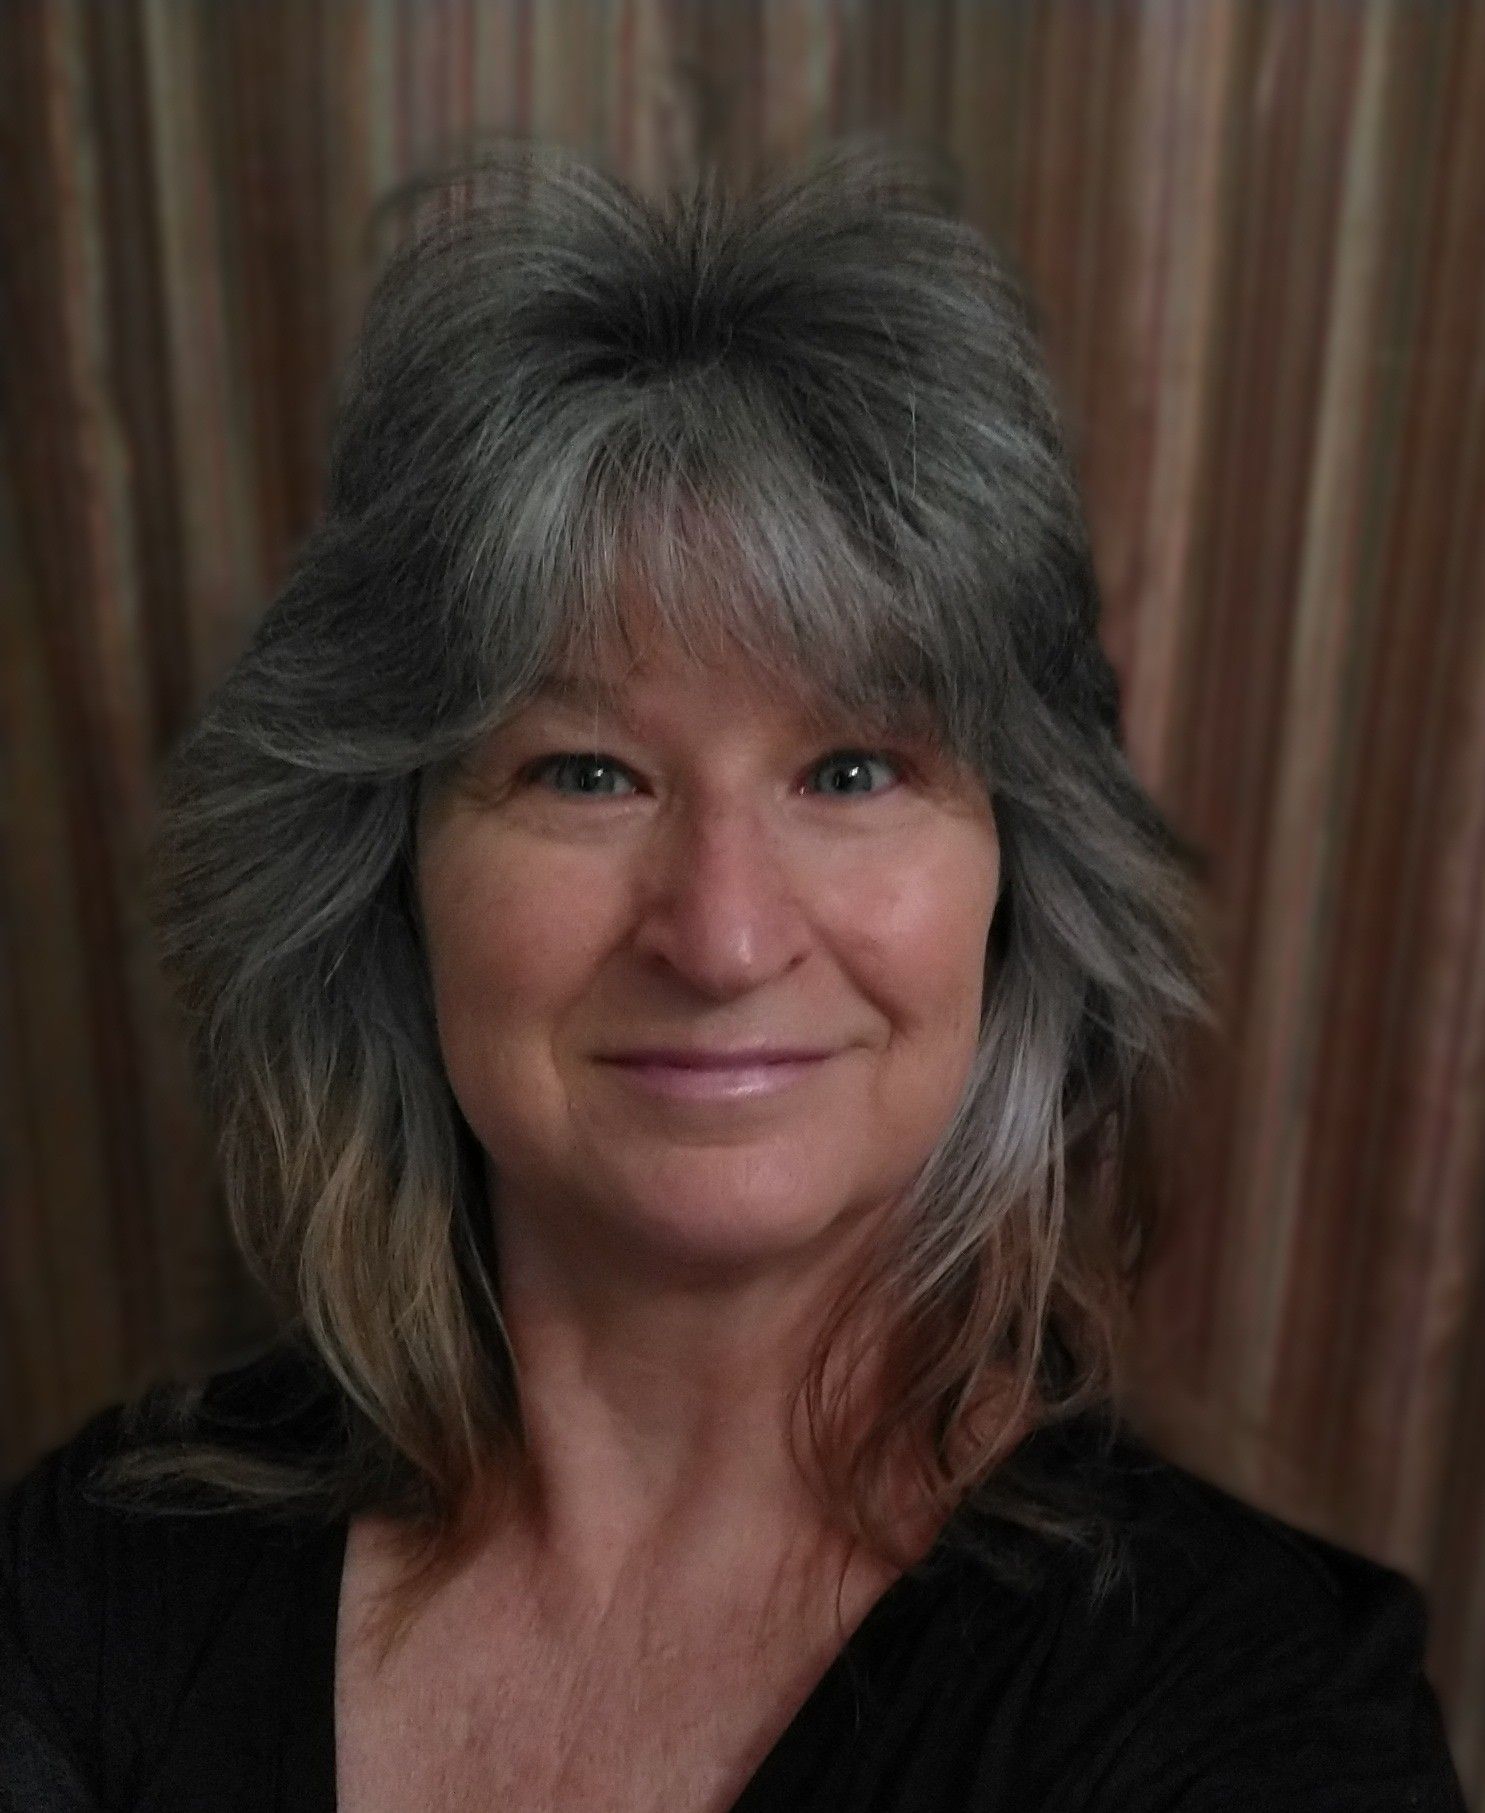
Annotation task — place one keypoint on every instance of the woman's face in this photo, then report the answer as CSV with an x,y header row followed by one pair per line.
x,y
704,869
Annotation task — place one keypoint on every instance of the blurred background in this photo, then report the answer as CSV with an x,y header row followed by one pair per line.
x,y
1256,232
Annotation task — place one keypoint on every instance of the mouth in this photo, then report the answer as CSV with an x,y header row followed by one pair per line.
x,y
717,1079
702,1057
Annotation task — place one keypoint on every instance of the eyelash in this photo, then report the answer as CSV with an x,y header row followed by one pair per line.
x,y
534,770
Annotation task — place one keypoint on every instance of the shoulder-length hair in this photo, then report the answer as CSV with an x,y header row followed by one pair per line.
x,y
809,419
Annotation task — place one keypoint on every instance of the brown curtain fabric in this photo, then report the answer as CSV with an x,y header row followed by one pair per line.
x,y
1257,231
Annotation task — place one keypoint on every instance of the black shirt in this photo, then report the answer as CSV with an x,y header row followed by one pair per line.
x,y
160,1664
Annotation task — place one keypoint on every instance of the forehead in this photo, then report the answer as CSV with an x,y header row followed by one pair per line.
x,y
620,689
625,687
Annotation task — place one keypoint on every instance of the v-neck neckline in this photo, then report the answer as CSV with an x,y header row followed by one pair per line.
x,y
859,1655
311,1750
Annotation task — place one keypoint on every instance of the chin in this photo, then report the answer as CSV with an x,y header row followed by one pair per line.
x,y
699,1227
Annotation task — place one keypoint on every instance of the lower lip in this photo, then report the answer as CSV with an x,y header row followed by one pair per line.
x,y
744,1082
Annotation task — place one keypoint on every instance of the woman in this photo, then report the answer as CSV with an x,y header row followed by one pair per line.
x,y
683,971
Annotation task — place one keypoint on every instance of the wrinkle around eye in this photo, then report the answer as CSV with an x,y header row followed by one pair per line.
x,y
533,772
858,756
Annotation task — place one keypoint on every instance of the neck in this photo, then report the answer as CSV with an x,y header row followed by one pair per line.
x,y
657,1428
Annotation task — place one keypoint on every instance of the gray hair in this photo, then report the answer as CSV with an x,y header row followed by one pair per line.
x,y
810,420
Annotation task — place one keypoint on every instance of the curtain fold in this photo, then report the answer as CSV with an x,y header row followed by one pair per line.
x,y
1256,232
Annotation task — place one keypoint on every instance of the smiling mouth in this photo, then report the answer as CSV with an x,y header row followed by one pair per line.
x,y
715,1081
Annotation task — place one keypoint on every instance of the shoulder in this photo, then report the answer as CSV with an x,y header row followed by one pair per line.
x,y
1237,1659
107,1606
1175,1537
273,1405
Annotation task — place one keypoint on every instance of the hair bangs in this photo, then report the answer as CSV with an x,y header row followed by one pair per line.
x,y
700,519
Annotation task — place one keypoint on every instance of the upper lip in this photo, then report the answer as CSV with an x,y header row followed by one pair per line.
x,y
694,1058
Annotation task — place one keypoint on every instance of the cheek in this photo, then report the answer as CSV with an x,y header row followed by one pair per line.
x,y
918,941
509,943
511,946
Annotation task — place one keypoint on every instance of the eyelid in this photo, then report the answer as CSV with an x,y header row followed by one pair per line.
x,y
894,758
530,771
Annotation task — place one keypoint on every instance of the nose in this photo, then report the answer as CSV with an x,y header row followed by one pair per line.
x,y
720,902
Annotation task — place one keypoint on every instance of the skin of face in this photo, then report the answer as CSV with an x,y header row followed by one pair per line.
x,y
714,868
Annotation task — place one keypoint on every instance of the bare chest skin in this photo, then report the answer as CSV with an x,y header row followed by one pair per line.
x,y
489,1703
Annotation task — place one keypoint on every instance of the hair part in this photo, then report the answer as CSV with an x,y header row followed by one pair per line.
x,y
810,420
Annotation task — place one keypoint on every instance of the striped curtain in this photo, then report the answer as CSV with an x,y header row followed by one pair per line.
x,y
1257,234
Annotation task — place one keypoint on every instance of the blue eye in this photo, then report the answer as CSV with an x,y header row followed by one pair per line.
x,y
583,764
853,761
848,762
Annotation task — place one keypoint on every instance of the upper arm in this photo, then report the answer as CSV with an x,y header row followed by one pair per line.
x,y
52,1613
39,1768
